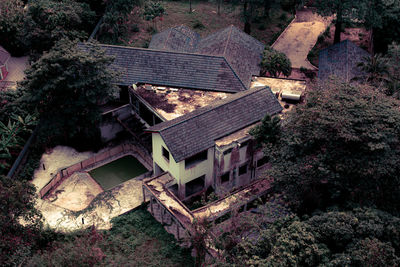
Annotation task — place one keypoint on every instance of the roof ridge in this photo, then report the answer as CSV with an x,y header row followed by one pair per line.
x,y
234,72
224,102
156,50
228,39
169,34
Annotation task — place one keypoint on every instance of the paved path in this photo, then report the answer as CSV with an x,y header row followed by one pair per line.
x,y
300,37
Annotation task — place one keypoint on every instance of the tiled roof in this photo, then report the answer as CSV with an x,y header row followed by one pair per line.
x,y
341,60
196,131
242,51
173,69
4,56
179,39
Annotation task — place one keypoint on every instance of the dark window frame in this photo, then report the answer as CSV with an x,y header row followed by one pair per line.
x,y
195,159
163,151
224,176
262,161
240,172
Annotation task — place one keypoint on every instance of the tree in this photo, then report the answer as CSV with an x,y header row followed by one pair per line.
x,y
114,24
376,70
275,63
17,241
359,237
393,66
48,21
66,86
11,23
341,146
153,10
344,10
382,18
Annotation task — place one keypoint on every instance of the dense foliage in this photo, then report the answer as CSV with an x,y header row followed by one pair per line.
x,y
11,22
49,21
114,25
66,86
135,239
275,63
17,205
360,237
341,146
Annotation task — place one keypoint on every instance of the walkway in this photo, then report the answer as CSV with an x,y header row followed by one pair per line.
x,y
300,37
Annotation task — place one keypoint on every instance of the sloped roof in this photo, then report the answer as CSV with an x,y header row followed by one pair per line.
x,y
4,56
197,131
179,39
341,60
173,69
241,50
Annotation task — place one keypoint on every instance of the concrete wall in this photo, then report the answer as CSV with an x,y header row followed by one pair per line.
x,y
110,127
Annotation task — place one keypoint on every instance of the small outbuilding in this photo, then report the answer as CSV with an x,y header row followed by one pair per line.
x,y
4,58
341,60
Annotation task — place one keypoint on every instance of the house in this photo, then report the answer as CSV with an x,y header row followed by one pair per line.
x,y
4,58
341,60
240,50
211,145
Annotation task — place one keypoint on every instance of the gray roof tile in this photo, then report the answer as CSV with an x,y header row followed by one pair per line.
x,y
341,60
196,131
173,69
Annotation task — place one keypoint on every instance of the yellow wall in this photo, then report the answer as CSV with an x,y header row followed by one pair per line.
x,y
177,169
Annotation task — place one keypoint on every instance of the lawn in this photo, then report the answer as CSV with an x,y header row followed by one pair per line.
x,y
204,20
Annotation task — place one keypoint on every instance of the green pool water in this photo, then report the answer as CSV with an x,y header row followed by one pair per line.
x,y
117,172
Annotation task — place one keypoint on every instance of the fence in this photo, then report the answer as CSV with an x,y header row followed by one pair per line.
x,y
90,163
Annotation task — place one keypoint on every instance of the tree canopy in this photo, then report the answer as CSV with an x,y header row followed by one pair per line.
x,y
359,237
11,22
48,21
341,146
66,86
275,63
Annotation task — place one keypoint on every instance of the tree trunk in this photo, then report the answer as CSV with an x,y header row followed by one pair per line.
x,y
338,26
267,7
247,25
190,6
219,7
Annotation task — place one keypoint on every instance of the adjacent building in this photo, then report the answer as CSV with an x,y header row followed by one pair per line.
x,y
341,60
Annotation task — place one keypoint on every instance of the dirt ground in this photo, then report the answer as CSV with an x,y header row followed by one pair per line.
x,y
76,192
102,208
204,20
300,37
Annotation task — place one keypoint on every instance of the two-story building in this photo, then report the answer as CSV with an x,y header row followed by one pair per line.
x,y
211,145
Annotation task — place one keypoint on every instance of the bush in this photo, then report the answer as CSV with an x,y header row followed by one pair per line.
x,y
198,25
135,28
262,27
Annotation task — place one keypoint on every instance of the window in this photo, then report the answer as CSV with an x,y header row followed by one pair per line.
x,y
264,160
225,178
229,150
243,169
245,143
193,160
165,153
195,185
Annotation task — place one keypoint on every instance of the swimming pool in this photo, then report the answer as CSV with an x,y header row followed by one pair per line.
x,y
117,172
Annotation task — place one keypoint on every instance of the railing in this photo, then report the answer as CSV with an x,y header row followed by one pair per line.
x,y
90,163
